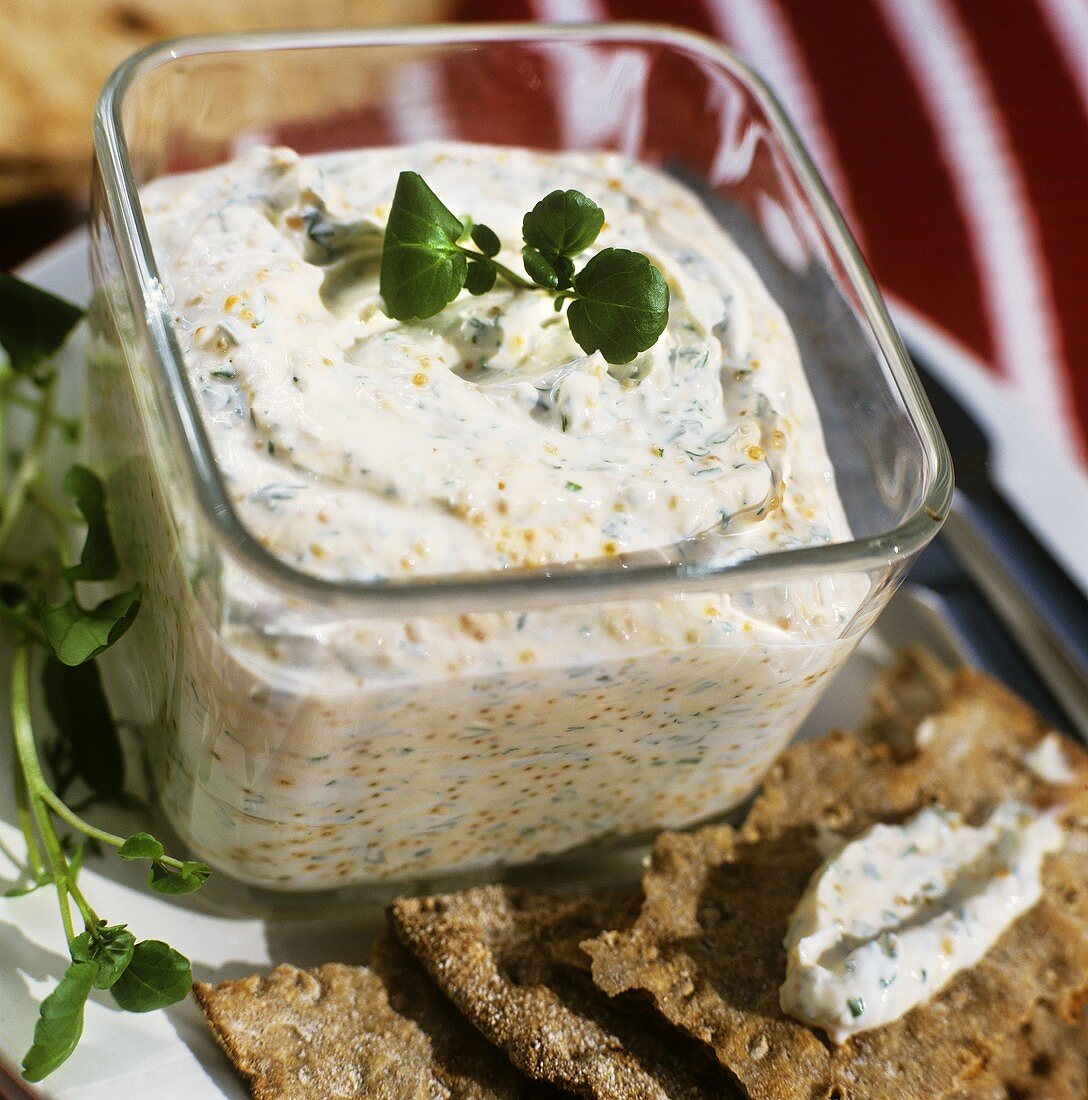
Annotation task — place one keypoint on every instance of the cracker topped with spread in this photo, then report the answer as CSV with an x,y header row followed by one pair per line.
x,y
901,914
711,943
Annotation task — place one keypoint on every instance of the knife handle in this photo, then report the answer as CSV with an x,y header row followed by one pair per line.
x,y
1036,598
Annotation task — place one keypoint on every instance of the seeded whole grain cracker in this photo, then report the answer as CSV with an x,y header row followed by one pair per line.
x,y
502,956
1046,1058
340,1032
465,1063
911,689
707,945
972,754
45,121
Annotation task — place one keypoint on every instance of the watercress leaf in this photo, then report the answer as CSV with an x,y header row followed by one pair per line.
x,y
156,977
485,239
564,269
85,728
540,269
33,323
480,278
194,869
164,880
109,947
141,846
563,223
622,306
422,268
98,561
60,1021
76,633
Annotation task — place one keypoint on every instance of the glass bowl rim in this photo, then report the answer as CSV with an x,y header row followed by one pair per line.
x,y
502,589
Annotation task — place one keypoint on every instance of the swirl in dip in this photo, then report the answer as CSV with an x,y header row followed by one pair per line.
x,y
307,754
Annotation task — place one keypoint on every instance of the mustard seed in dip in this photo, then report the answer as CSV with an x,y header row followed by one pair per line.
x,y
356,447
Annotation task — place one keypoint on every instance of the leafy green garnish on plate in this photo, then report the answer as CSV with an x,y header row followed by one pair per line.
x,y
98,559
561,226
110,949
619,302
60,1021
86,744
33,324
157,976
57,626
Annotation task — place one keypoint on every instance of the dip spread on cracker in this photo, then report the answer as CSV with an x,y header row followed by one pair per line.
x,y
898,911
1047,760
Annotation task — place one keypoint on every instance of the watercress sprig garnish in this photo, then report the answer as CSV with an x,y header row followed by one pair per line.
x,y
619,302
141,975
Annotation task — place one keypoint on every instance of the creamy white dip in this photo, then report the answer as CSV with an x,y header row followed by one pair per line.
x,y
308,752
894,914
1047,760
359,447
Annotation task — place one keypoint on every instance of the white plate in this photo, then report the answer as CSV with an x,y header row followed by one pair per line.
x,y
170,1055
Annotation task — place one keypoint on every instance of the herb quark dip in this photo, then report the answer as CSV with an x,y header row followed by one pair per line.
x,y
357,447
893,915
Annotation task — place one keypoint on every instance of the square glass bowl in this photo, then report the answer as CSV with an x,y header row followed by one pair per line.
x,y
281,757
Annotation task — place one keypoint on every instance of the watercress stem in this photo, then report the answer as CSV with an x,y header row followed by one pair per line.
x,y
61,518
33,404
70,818
6,374
24,624
29,467
90,917
502,269
35,863
27,752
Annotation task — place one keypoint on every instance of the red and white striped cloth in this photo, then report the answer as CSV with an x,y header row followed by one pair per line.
x,y
954,134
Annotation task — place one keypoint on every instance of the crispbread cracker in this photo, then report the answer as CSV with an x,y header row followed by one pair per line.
x,y
499,955
708,944
468,1066
341,1032
903,696
1047,1056
55,55
973,755
1045,1059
